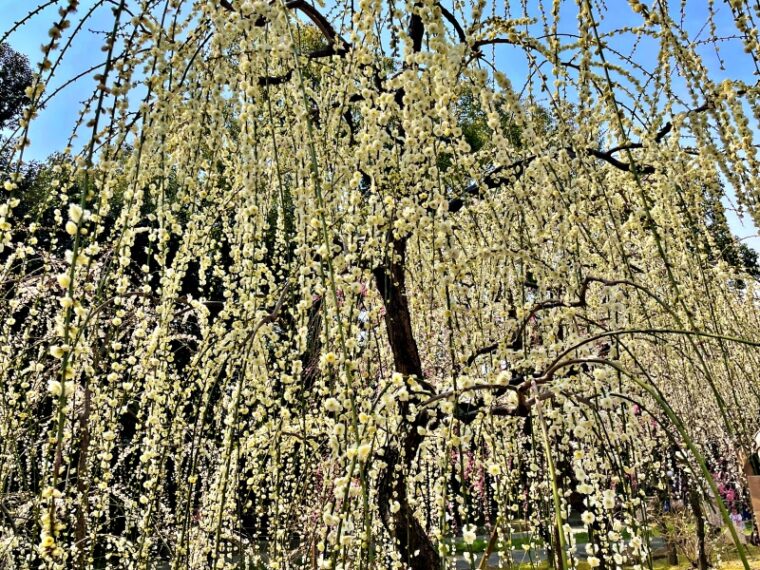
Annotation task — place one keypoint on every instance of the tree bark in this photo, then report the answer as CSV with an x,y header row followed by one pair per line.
x,y
310,356
417,550
391,283
672,553
703,563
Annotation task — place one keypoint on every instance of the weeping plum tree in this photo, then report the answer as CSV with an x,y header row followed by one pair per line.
x,y
327,286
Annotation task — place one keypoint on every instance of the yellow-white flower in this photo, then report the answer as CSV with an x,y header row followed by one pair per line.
x,y
329,359
57,351
608,499
330,519
55,388
75,213
468,534
362,452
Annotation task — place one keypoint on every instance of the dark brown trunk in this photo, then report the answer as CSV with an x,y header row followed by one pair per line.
x,y
391,283
556,545
703,563
310,357
417,550
672,554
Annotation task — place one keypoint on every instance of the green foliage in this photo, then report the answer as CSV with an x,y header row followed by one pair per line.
x,y
15,77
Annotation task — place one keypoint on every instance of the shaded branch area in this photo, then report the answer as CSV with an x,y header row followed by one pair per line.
x,y
515,341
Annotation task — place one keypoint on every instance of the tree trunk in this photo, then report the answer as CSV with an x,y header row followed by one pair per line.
x,y
310,356
417,550
703,562
558,559
672,554
391,283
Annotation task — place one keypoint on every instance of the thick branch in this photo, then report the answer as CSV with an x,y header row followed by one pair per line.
x,y
454,22
492,180
515,343
492,41
619,164
467,412
276,80
316,17
416,30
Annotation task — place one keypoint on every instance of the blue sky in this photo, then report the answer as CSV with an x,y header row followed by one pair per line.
x,y
51,130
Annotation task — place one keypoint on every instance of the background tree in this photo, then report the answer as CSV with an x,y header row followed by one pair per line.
x,y
15,78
